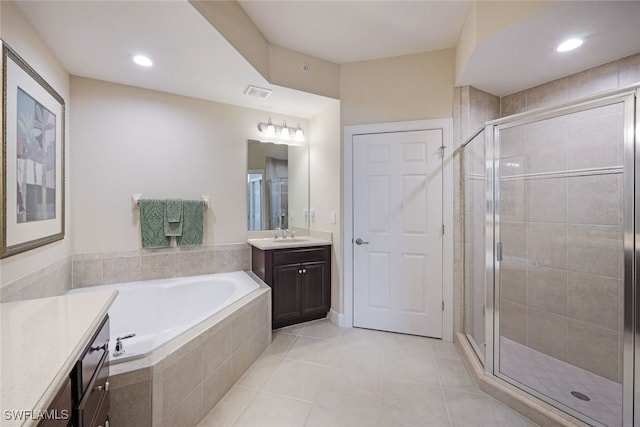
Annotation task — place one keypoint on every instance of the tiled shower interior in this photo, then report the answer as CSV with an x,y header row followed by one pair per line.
x,y
559,285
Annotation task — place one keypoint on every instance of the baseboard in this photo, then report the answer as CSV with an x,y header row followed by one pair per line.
x,y
336,318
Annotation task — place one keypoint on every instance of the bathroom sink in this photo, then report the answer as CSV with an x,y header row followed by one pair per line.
x,y
290,239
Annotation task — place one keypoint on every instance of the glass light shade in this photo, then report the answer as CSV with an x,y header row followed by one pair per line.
x,y
284,133
299,135
271,130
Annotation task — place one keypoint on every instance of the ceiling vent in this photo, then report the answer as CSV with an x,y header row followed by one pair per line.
x,y
258,92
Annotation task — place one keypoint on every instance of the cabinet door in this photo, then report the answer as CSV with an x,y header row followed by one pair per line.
x,y
313,288
286,292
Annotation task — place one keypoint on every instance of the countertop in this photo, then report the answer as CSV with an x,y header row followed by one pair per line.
x,y
280,243
40,341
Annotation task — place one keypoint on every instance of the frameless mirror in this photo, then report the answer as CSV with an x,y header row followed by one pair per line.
x,y
277,186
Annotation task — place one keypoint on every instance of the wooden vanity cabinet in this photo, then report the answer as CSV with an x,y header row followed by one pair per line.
x,y
300,281
83,400
59,412
90,379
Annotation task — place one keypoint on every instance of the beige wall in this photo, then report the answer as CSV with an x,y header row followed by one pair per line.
x,y
160,145
18,33
412,87
326,189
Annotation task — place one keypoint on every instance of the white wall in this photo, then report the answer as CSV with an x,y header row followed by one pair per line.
x,y
21,37
325,157
133,140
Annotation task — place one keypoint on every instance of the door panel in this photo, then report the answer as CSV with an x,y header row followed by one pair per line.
x,y
398,216
286,297
312,290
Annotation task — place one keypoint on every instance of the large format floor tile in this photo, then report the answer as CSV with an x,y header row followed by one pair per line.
x,y
317,374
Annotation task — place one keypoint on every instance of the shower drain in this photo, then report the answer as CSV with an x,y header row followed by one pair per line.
x,y
580,396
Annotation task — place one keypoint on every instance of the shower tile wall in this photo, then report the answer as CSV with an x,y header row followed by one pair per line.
x,y
120,267
561,277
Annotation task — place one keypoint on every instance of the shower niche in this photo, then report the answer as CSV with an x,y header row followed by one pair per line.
x,y
549,233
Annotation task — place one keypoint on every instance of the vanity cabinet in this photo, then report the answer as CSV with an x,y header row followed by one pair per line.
x,y
90,379
300,281
59,412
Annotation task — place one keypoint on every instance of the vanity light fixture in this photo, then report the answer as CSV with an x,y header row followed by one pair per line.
x,y
142,60
570,44
299,134
281,134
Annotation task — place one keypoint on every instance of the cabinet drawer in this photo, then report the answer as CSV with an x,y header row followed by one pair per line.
x,y
87,366
96,394
295,256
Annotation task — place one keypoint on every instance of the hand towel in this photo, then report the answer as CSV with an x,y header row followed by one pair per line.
x,y
192,223
173,217
152,224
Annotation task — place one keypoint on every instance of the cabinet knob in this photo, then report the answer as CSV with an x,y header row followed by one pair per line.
x,y
102,347
104,387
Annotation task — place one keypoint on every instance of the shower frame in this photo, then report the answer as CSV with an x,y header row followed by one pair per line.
x,y
631,254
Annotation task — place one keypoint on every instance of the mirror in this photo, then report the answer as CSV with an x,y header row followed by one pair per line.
x,y
277,186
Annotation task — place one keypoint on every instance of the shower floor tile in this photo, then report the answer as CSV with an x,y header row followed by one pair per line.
x,y
557,379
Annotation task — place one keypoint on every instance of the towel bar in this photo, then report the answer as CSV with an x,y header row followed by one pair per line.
x,y
135,200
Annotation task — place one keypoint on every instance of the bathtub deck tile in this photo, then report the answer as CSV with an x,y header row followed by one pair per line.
x,y
216,385
216,349
180,379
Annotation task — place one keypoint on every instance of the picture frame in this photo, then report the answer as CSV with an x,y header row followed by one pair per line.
x,y
32,199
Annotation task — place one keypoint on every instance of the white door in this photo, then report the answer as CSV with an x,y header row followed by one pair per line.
x,y
397,217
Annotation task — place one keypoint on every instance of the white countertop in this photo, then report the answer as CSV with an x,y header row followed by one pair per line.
x,y
40,341
280,243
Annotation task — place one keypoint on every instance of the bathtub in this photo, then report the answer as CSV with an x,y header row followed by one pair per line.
x,y
195,336
156,311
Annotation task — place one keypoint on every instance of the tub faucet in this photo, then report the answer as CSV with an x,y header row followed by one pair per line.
x,y
119,351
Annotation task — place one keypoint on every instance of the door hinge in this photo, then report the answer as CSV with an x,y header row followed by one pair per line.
x,y
442,305
443,229
440,151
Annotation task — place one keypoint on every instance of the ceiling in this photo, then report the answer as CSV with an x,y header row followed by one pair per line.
x,y
97,39
350,31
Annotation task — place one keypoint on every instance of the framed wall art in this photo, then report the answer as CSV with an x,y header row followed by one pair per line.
x,y
32,158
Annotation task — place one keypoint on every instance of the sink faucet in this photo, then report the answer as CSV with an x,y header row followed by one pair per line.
x,y
284,233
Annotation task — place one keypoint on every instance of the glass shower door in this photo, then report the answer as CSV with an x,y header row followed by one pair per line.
x,y
559,245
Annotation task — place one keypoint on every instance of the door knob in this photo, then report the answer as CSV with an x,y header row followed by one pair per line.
x,y
359,241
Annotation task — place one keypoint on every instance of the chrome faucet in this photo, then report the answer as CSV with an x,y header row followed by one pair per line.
x,y
284,233
119,350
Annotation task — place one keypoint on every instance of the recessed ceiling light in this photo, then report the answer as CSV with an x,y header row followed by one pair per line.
x,y
568,45
142,60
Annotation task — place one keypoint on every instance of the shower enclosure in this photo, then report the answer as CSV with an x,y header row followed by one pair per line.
x,y
550,254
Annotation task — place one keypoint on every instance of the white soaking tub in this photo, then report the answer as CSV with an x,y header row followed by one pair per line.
x,y
158,310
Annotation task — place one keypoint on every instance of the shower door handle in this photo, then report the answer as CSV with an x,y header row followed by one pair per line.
x,y
499,251
359,241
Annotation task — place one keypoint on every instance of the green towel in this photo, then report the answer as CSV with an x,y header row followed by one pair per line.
x,y
152,224
192,223
173,217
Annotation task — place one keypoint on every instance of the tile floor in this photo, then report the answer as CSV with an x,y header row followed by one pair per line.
x,y
319,375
